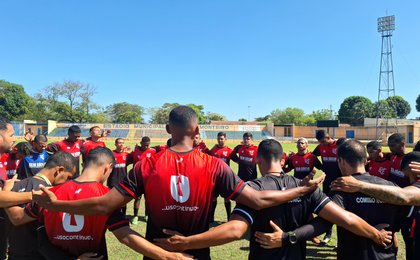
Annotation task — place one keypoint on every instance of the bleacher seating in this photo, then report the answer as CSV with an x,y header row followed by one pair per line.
x,y
162,134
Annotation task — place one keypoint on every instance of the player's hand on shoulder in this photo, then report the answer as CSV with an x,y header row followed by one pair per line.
x,y
270,240
8,185
175,243
346,184
44,197
89,255
415,167
311,183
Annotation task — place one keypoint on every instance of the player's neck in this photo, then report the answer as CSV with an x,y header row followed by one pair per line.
x,y
303,152
89,175
356,170
47,175
273,168
94,138
183,144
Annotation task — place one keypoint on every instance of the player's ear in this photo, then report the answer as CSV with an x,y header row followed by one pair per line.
x,y
168,129
58,170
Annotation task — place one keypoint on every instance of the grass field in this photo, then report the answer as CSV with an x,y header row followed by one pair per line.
x,y
235,250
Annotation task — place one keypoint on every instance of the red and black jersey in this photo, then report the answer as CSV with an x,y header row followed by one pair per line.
x,y
122,160
329,157
396,175
245,157
303,164
3,174
222,153
89,145
11,165
77,234
160,148
138,154
202,147
70,147
380,168
179,188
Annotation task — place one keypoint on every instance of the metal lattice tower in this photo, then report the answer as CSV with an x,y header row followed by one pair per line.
x,y
386,118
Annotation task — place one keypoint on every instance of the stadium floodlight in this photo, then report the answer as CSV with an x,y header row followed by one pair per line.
x,y
386,25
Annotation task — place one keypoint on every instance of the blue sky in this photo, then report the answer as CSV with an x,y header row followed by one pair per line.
x,y
225,55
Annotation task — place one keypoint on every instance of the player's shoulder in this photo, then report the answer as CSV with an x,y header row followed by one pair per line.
x,y
366,177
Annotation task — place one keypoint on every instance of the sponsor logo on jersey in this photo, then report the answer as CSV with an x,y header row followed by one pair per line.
x,y
78,191
397,173
120,165
367,200
36,165
245,158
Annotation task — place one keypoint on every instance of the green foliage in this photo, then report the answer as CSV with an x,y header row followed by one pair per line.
x,y
263,118
291,115
322,114
14,102
354,109
214,117
383,110
418,103
400,105
199,109
160,115
125,113
242,120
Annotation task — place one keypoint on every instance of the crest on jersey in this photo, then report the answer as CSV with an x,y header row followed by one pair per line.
x,y
251,153
180,188
382,170
224,153
124,157
77,146
148,155
307,161
334,150
68,147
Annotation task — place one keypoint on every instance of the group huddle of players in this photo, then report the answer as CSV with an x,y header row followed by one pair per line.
x,y
181,181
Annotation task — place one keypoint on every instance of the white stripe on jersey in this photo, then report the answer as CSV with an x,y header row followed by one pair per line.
x,y
319,205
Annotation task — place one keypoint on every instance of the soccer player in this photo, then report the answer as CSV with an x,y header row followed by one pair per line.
x,y
22,239
93,141
379,164
352,158
66,236
409,195
179,184
12,159
221,151
200,145
288,216
303,162
33,163
244,155
141,152
396,144
160,148
327,149
72,144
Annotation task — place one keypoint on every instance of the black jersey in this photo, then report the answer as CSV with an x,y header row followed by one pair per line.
x,y
23,239
374,212
288,216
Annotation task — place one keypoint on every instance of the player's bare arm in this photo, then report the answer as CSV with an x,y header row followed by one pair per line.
x,y
17,216
133,240
102,205
390,194
269,198
230,231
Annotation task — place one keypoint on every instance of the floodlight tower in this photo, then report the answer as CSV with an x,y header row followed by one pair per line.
x,y
386,26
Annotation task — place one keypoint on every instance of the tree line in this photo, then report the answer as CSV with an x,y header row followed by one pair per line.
x,y
71,101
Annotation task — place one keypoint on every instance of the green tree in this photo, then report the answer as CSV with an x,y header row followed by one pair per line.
x,y
14,102
160,115
400,105
291,115
354,109
199,110
418,103
322,114
242,120
382,109
214,117
125,113
263,118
